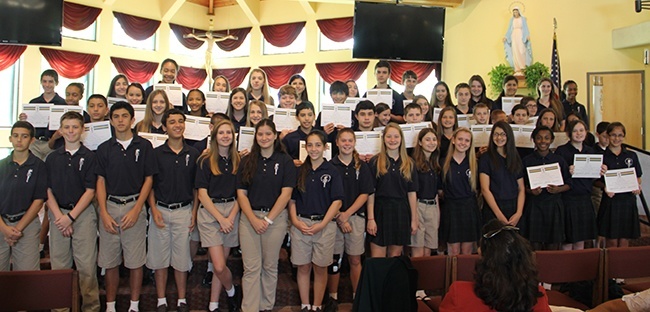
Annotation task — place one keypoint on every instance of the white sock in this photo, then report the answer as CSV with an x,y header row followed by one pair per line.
x,y
354,295
213,306
210,267
420,294
334,296
103,272
134,306
308,306
181,301
110,306
231,292
162,301
546,286
40,247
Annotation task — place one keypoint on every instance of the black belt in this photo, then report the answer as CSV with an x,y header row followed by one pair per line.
x,y
262,209
14,218
314,217
66,207
43,138
123,201
173,205
428,201
360,214
222,200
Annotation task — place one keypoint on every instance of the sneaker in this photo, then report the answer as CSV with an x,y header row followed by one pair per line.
x,y
183,308
161,308
332,305
234,302
207,280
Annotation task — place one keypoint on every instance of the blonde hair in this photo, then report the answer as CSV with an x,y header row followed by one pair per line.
x,y
262,106
213,153
382,158
265,86
473,166
147,121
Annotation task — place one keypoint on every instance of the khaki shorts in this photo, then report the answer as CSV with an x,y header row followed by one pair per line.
x,y
130,243
209,227
353,242
170,245
428,223
24,256
317,249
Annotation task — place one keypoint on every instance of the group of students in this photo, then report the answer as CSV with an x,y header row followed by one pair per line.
x,y
427,198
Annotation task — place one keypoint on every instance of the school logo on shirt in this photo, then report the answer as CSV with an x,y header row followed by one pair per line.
x,y
137,154
325,178
357,172
629,162
276,167
29,175
187,160
468,173
81,163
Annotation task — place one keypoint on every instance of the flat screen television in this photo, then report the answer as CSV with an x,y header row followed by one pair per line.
x,y
35,22
398,32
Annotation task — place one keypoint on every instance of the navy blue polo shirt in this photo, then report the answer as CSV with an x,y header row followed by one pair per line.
x,y
125,169
238,123
444,148
159,130
174,182
199,145
398,102
428,183
292,142
20,185
625,159
219,186
579,186
271,175
322,187
56,100
393,184
535,159
70,175
459,112
577,108
355,182
456,185
503,184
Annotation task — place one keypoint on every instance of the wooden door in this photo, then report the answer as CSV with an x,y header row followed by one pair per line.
x,y
618,96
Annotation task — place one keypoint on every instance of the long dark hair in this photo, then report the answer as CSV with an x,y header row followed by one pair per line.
x,y
303,96
111,89
506,274
421,162
305,168
434,99
513,161
250,161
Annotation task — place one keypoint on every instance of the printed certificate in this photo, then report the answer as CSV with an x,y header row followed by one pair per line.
x,y
216,102
245,138
139,113
465,120
96,133
545,175
411,132
353,101
621,180
481,135
174,92
368,142
338,114
587,165
196,128
377,96
56,111
522,135
38,114
508,103
285,118
155,138
113,100
436,114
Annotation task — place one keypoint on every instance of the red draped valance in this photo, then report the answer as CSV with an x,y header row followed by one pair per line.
x,y
230,45
70,64
278,76
331,72
282,35
135,71
235,76
337,29
180,31
423,70
191,78
9,54
138,28
78,16
193,44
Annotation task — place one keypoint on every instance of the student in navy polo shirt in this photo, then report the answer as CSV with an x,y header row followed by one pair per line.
x,y
173,205
125,169
382,74
23,183
264,186
305,115
169,70
73,218
312,232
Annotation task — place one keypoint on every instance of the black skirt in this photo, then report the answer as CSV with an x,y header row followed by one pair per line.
x,y
507,207
544,219
462,220
579,218
393,218
618,217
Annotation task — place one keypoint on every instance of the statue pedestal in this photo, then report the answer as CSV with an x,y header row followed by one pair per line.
x,y
521,79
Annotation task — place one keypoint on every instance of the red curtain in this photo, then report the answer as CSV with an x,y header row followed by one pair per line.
x,y
191,78
337,29
9,54
138,28
79,17
278,76
331,72
181,31
423,70
70,64
235,76
282,35
230,45
136,71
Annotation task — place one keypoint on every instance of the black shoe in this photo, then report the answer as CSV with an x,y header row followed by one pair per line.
x,y
42,254
234,302
201,251
331,306
207,280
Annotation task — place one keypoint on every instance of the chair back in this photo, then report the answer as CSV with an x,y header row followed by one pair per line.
x,y
39,290
627,262
433,273
463,267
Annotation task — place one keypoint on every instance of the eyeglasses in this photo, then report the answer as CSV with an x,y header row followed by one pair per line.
x,y
499,134
493,233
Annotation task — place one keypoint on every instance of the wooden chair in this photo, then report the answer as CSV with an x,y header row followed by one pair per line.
x,y
556,266
462,267
627,262
433,275
39,290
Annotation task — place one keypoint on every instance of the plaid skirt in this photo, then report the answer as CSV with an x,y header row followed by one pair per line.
x,y
463,220
544,219
507,206
618,217
579,218
393,218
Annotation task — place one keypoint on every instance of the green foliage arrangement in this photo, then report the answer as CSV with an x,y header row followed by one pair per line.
x,y
497,74
534,73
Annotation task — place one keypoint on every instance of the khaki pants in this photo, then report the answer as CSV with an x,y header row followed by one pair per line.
x,y
260,255
24,255
40,149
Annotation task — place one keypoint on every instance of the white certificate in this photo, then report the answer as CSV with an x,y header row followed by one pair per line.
x,y
522,135
407,102
560,139
377,96
481,135
368,142
338,114
508,103
245,138
621,180
353,101
113,100
38,114
285,118
174,92
196,128
411,132
217,102
465,120
436,114
270,109
545,175
96,133
587,165
56,111
138,110
156,139
327,154
532,120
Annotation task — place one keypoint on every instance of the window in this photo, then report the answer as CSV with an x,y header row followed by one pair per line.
x,y
177,47
9,94
90,33
104,89
88,80
122,39
297,46
329,45
324,94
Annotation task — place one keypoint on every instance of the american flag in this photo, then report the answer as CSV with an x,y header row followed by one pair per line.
x,y
555,64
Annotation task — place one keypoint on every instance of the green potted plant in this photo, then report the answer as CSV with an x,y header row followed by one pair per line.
x,y
497,74
534,73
